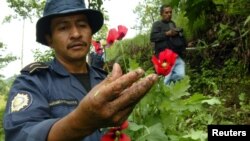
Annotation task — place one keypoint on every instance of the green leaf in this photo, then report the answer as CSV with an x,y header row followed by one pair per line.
x,y
133,64
179,89
135,127
156,133
195,98
196,135
242,96
212,101
247,20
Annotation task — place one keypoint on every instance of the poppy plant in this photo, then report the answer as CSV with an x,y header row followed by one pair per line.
x,y
163,65
115,133
97,46
122,31
103,42
112,36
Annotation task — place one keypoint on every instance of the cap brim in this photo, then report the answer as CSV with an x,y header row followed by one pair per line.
x,y
95,19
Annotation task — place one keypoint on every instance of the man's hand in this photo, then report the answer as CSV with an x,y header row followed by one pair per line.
x,y
111,101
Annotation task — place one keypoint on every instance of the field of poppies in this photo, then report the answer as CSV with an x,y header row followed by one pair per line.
x,y
180,111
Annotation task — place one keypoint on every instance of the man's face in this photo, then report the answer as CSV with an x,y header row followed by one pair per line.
x,y
70,37
166,14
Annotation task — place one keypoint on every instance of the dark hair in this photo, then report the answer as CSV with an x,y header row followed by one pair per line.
x,y
164,6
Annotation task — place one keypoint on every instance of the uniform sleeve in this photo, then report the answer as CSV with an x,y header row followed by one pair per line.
x,y
157,34
27,116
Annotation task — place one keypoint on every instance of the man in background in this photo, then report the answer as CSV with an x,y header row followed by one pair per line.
x,y
163,35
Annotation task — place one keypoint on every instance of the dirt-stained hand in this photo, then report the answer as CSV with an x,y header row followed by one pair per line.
x,y
111,101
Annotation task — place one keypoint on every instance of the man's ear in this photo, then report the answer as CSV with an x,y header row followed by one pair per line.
x,y
48,39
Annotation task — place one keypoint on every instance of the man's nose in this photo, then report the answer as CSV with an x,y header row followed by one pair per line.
x,y
75,32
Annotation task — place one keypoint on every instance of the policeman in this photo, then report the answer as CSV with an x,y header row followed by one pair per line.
x,y
66,99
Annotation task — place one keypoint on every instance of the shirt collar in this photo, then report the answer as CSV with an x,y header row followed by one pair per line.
x,y
56,66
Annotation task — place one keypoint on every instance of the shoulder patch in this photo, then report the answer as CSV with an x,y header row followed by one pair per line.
x,y
34,67
21,101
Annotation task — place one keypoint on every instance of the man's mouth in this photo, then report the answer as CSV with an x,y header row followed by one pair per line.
x,y
77,45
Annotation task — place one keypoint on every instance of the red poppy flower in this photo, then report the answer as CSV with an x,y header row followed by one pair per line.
x,y
166,61
112,36
97,45
122,31
115,133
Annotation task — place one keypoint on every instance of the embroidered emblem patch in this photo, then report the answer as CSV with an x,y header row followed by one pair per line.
x,y
20,102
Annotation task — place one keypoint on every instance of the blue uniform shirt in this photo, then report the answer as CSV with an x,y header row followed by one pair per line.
x,y
40,96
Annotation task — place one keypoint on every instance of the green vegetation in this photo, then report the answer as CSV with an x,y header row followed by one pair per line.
x,y
216,89
4,85
2,108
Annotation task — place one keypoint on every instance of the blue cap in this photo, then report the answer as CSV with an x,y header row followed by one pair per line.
x,y
54,8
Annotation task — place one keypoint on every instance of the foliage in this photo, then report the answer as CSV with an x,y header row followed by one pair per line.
x,y
101,33
147,12
26,9
2,108
219,75
45,56
239,7
224,50
34,8
4,85
4,60
139,52
96,4
176,113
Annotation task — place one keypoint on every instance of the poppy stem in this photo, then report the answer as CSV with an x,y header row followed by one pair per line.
x,y
105,58
116,139
123,58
